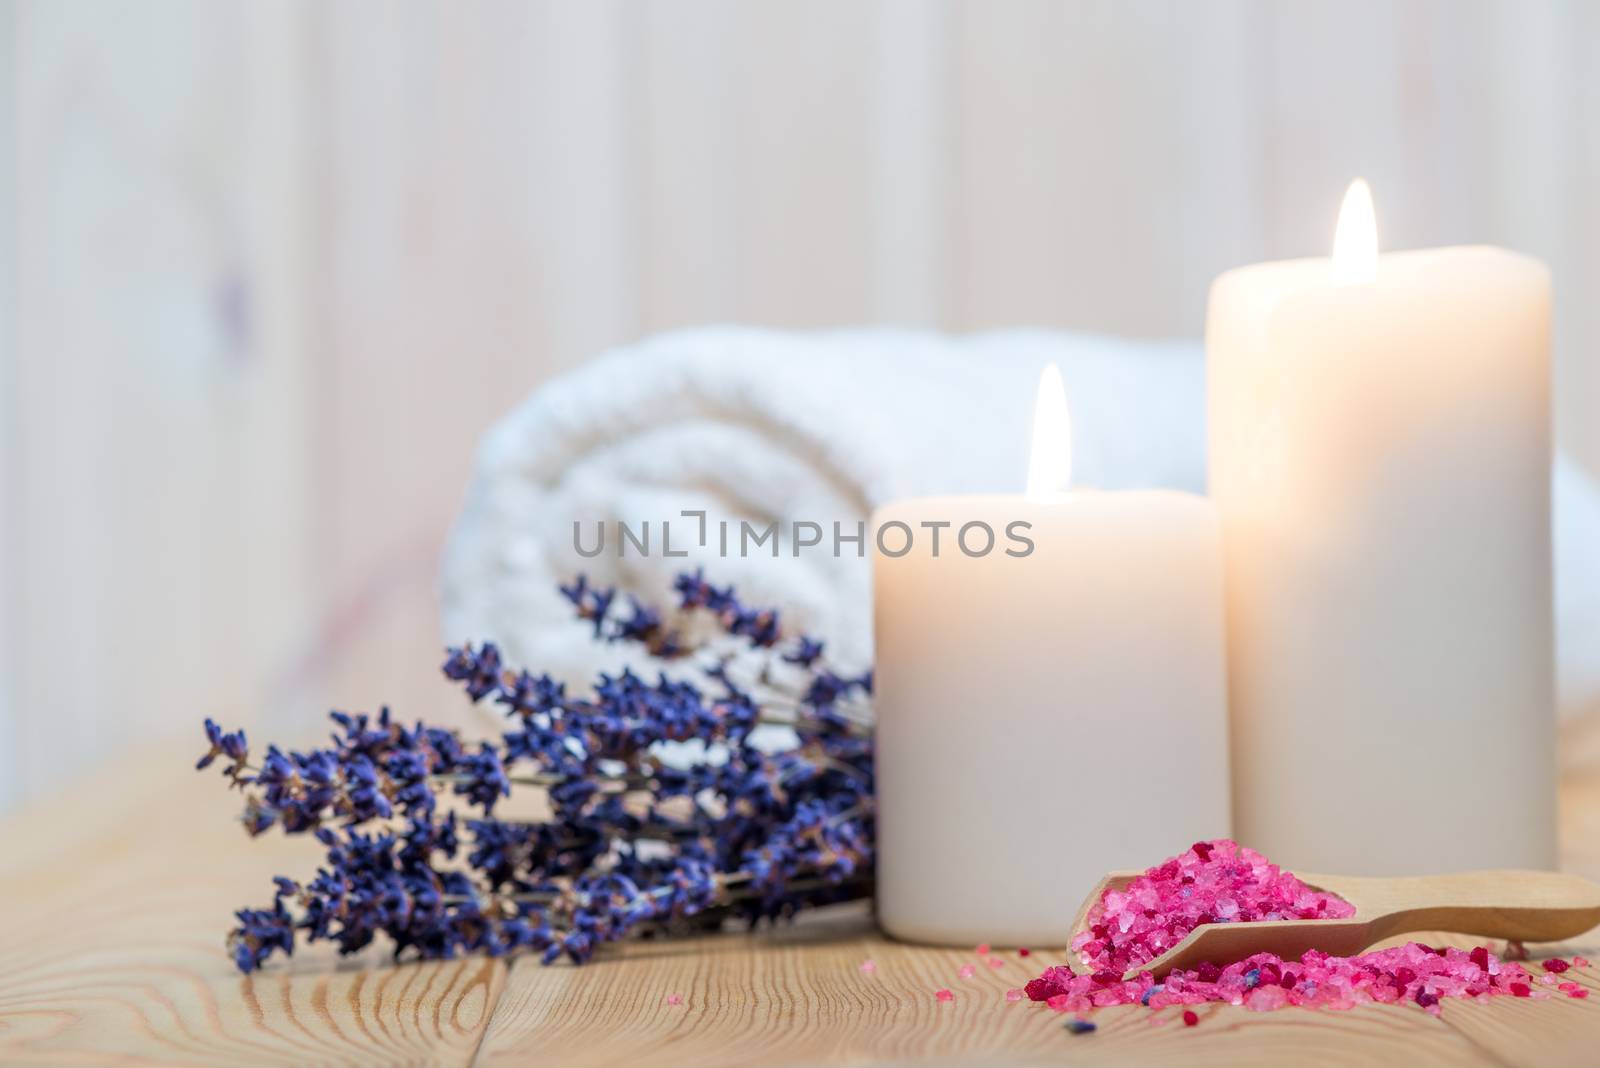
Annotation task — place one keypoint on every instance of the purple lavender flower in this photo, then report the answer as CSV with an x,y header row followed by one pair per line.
x,y
807,652
479,672
233,746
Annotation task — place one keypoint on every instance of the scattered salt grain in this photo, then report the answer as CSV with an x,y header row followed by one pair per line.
x,y
1189,1018
674,999
944,995
868,966
1014,994
967,971
983,949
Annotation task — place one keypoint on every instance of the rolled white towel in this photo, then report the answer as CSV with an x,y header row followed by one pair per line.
x,y
1577,586
765,425
762,425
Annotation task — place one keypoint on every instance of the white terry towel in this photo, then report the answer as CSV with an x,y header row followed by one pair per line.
x,y
762,425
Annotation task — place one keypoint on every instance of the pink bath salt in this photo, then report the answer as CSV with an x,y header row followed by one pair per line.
x,y
1581,992
1056,979
967,971
995,962
1266,998
1580,962
1210,882
1014,994
1555,964
944,995
674,999
1233,883
1410,974
983,949
869,966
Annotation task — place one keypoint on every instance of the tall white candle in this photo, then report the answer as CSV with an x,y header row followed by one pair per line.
x,y
1043,718
1380,456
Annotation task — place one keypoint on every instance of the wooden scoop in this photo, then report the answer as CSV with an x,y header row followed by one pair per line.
x,y
1524,906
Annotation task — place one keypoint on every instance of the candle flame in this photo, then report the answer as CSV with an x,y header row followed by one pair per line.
x,y
1050,463
1355,240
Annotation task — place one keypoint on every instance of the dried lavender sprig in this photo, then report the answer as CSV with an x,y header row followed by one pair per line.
x,y
382,771
760,628
795,828
384,884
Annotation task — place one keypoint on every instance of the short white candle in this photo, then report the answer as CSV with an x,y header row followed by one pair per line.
x,y
1380,456
1042,719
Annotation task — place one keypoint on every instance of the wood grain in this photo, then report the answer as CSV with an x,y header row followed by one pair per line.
x,y
798,997
115,897
111,944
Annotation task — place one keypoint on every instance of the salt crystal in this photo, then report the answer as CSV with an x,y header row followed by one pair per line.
x,y
1267,998
1579,962
983,949
1013,994
869,966
996,962
1189,1018
944,995
674,999
967,971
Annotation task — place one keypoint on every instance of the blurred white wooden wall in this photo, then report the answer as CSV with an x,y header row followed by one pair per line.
x,y
267,270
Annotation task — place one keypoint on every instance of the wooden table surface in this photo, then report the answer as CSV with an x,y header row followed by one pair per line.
x,y
114,900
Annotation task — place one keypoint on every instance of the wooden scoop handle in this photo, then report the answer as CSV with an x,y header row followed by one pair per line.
x,y
1528,906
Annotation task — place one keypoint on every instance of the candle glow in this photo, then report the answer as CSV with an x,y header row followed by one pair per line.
x,y
1355,239
1050,461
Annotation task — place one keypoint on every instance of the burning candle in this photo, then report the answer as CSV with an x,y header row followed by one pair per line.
x,y
1380,457
1048,710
